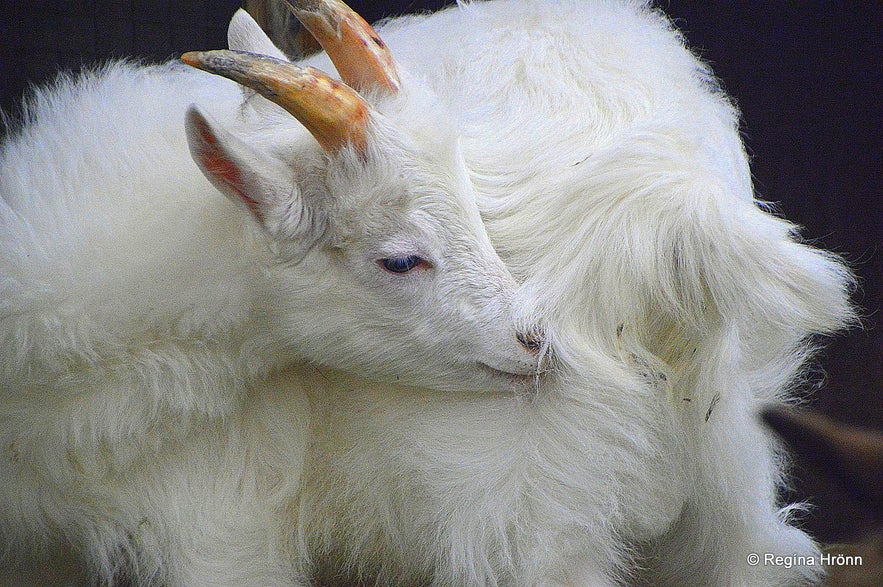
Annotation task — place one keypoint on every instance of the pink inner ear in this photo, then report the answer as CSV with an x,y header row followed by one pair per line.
x,y
217,165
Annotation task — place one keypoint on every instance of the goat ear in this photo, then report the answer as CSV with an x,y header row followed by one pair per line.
x,y
245,34
754,268
258,181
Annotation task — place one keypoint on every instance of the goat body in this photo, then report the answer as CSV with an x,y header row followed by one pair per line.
x,y
196,392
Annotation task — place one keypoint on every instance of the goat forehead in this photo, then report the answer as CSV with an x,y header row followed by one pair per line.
x,y
404,191
424,223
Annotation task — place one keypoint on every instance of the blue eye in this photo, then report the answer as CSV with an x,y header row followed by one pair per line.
x,y
401,264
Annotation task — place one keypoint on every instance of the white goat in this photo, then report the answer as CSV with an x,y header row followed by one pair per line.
x,y
331,375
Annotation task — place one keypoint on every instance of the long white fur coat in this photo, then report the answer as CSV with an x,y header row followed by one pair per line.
x,y
155,424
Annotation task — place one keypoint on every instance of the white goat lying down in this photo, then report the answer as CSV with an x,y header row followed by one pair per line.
x,y
332,375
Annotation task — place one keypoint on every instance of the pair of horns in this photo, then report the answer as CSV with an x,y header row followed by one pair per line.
x,y
334,113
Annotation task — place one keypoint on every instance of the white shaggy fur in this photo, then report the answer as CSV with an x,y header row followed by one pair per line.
x,y
183,392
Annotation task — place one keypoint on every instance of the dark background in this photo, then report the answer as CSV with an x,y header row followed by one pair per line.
x,y
806,75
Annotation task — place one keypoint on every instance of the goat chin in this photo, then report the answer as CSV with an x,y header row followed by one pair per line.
x,y
182,400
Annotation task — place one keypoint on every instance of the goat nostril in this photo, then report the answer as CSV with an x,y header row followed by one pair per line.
x,y
532,341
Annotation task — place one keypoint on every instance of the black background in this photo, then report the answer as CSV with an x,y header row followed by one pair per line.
x,y
806,75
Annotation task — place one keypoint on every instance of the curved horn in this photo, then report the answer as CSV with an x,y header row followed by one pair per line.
x,y
333,113
358,53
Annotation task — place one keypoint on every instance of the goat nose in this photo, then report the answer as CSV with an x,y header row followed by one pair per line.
x,y
532,341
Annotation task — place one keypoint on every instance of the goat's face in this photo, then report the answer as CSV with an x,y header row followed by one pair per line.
x,y
413,289
385,268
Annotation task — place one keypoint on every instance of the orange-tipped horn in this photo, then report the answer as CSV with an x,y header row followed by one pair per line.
x,y
333,113
358,53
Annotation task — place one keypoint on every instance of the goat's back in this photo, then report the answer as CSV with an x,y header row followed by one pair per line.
x,y
108,231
